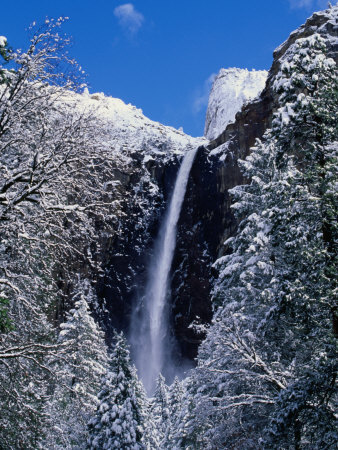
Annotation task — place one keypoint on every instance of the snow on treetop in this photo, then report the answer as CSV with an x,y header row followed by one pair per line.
x,y
330,15
231,89
3,41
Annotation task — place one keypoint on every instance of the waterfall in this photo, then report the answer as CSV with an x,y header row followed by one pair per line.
x,y
150,334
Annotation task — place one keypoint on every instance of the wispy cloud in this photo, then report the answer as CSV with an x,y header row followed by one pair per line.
x,y
202,95
129,19
308,4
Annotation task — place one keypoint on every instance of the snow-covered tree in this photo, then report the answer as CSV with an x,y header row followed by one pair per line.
x,y
4,55
304,233
176,398
79,371
117,423
189,430
53,214
268,360
176,393
150,437
160,409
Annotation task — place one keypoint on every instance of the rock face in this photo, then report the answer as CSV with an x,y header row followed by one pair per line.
x,y
207,220
231,89
153,155
147,156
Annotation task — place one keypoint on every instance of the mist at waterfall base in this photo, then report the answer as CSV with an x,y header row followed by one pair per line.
x,y
153,345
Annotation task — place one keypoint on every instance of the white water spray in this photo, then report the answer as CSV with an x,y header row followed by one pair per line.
x,y
150,335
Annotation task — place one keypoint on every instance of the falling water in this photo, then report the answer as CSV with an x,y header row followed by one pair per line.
x,y
150,334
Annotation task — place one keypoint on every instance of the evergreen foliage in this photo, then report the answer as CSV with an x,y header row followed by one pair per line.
x,y
150,437
160,412
268,360
176,394
79,374
117,423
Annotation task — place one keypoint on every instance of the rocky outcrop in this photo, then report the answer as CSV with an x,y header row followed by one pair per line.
x,y
231,89
256,116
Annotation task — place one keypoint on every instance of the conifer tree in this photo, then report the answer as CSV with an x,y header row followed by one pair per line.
x,y
303,235
160,409
176,393
150,438
175,402
79,372
268,360
184,431
117,423
188,431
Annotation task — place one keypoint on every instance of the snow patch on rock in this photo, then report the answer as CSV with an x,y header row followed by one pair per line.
x,y
231,89
128,130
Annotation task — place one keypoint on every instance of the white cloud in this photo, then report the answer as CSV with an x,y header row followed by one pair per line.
x,y
202,95
308,4
129,19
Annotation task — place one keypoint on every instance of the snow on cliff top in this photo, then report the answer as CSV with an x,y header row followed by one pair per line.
x,y
230,90
129,130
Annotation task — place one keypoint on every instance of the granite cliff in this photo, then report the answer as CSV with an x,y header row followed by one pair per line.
x,y
154,153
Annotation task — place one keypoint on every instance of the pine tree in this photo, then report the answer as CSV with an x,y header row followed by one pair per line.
x,y
79,372
117,423
176,393
268,360
160,409
150,438
304,235
191,425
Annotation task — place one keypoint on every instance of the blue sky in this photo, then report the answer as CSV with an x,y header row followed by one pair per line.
x,y
160,55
